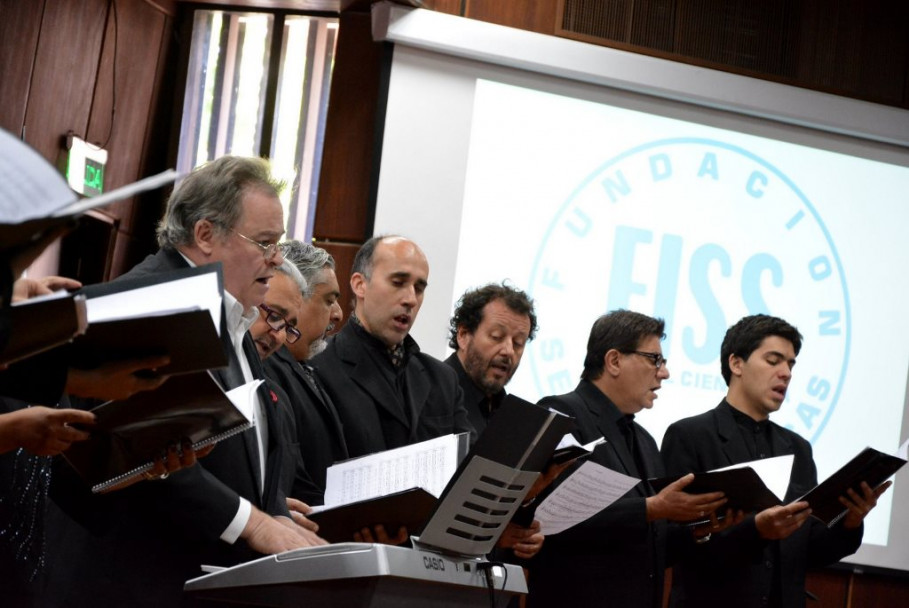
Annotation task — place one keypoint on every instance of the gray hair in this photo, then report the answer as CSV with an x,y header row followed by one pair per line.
x,y
213,192
290,270
309,260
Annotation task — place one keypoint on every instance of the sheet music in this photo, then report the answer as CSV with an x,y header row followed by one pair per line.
x,y
428,465
191,293
30,187
589,490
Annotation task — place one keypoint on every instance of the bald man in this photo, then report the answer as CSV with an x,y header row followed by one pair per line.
x,y
388,393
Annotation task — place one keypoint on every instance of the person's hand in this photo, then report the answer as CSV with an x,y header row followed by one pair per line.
x,y
525,542
780,522
860,505
43,431
675,504
172,460
269,535
378,535
25,288
177,457
717,524
298,512
116,379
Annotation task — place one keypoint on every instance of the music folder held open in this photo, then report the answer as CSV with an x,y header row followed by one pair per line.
x,y
446,566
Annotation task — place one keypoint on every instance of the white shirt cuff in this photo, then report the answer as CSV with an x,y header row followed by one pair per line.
x,y
235,528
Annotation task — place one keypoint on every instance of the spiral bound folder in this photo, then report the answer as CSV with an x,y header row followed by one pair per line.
x,y
130,434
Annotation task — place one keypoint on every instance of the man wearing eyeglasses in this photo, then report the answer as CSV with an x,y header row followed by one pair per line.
x,y
277,322
319,431
762,561
618,556
233,507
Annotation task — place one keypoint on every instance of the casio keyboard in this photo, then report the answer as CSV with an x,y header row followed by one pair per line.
x,y
349,575
446,567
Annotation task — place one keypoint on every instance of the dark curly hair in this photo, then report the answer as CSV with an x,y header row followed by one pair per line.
x,y
469,310
746,336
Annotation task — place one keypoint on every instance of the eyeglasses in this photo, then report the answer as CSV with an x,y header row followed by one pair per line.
x,y
657,359
277,322
268,250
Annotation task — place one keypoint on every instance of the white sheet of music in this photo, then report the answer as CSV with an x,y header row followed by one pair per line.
x,y
774,472
589,490
428,465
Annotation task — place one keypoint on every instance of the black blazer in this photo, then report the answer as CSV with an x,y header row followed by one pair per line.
x,y
615,558
318,427
368,405
139,545
737,565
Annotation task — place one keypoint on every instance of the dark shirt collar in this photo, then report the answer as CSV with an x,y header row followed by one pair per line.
x,y
409,345
746,422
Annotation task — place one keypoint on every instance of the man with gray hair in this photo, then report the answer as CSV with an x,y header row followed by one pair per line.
x,y
321,312
319,431
157,535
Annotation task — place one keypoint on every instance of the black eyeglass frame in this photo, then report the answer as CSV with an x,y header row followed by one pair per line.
x,y
657,359
277,322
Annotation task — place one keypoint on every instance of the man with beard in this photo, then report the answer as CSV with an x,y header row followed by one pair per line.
x,y
388,393
489,330
490,327
319,432
763,560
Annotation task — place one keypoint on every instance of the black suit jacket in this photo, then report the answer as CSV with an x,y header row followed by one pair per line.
x,y
137,546
319,431
371,412
615,558
737,565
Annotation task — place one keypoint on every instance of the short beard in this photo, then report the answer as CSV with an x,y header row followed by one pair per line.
x,y
476,371
317,346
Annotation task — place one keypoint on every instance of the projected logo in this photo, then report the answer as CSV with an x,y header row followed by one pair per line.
x,y
700,233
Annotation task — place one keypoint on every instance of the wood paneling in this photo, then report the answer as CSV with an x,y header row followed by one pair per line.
x,y
536,16
65,67
830,587
878,591
344,212
123,95
20,23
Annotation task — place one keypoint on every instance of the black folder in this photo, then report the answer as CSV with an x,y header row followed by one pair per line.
x,y
408,508
869,465
129,434
743,488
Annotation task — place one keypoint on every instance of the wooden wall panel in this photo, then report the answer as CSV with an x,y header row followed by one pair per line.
x,y
66,62
20,23
878,591
349,160
125,84
536,16
830,587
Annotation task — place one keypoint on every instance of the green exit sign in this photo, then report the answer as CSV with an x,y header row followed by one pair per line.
x,y
85,167
94,177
